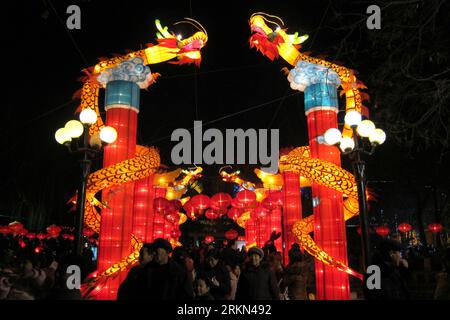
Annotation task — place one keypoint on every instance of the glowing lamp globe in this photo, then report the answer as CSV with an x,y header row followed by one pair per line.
x,y
347,144
74,128
366,128
404,227
332,136
377,137
62,136
88,116
352,118
108,134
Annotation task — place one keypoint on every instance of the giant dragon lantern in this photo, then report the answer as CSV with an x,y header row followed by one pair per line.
x,y
334,189
127,180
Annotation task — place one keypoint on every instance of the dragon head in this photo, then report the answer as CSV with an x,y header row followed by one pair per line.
x,y
268,34
188,49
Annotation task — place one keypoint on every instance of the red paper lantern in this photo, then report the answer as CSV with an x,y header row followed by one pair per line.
x,y
273,200
88,232
435,227
22,244
188,208
65,236
234,213
161,204
176,205
172,217
41,236
260,212
231,234
209,239
200,202
404,227
247,197
237,204
31,235
38,249
382,231
53,231
221,200
5,230
175,233
71,237
15,227
211,214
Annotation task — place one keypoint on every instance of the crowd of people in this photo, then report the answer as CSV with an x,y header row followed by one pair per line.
x,y
210,273
205,272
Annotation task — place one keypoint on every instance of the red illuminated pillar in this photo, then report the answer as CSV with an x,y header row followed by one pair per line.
x,y
250,231
321,108
159,223
122,107
292,209
143,209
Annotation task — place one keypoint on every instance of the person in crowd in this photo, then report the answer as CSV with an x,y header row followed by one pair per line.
x,y
217,274
230,255
165,279
202,287
180,256
394,272
235,272
133,287
275,260
257,281
294,278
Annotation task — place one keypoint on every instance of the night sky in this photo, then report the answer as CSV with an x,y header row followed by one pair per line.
x,y
44,60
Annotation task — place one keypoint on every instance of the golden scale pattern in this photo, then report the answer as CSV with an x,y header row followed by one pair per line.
x,y
329,175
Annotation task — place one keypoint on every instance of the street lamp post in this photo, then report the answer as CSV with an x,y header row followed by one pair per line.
x,y
75,136
354,147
